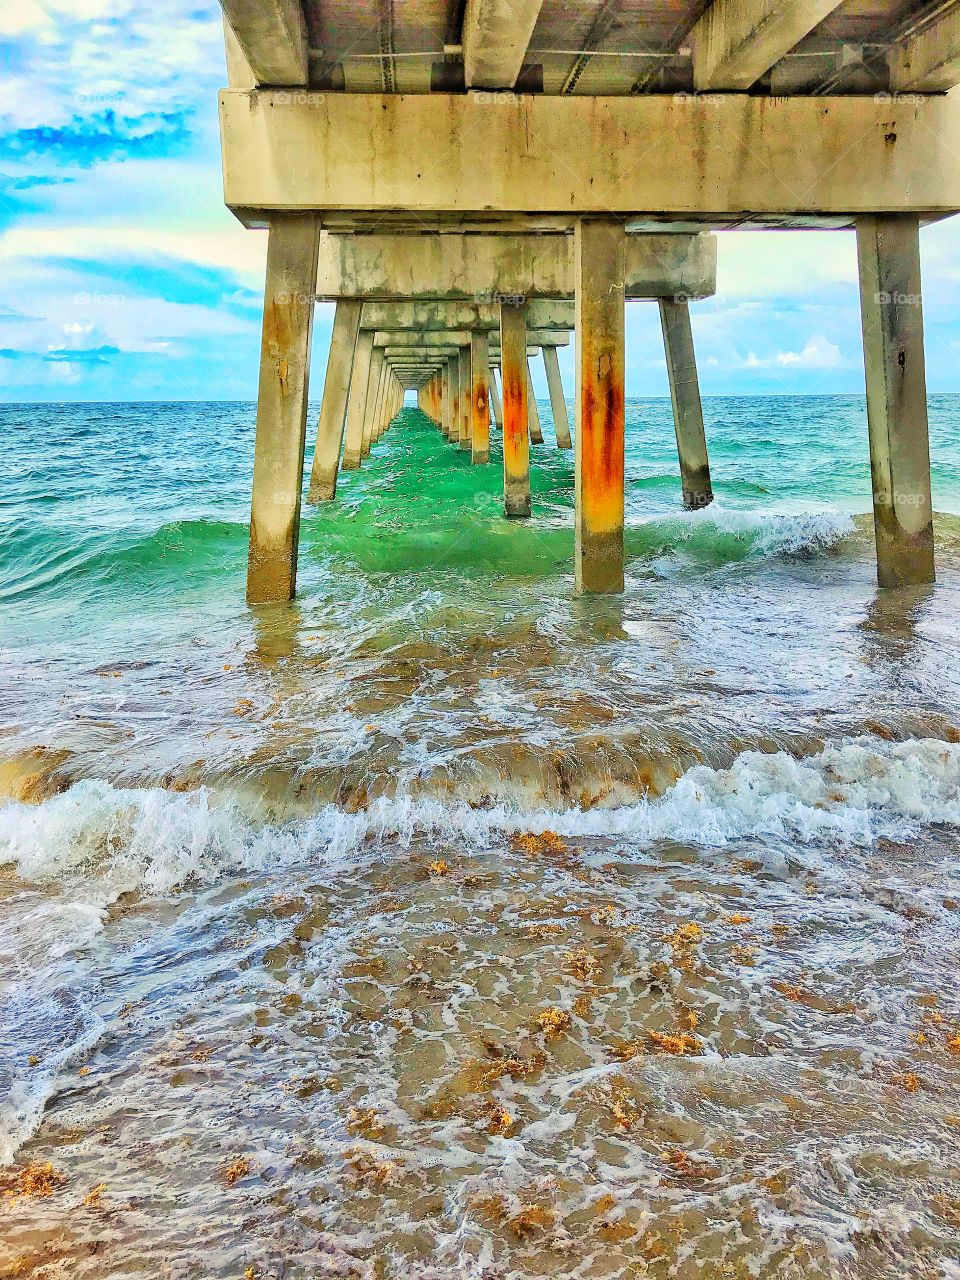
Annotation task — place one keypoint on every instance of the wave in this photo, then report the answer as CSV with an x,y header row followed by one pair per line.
x,y
721,535
113,841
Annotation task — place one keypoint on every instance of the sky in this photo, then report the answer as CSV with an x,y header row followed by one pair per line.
x,y
124,277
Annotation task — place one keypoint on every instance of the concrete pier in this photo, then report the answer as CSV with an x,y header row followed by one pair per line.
x,y
598,521
687,408
282,407
495,405
558,405
888,251
333,407
480,397
453,373
466,412
374,392
516,441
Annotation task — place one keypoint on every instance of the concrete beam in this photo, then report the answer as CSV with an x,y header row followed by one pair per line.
x,y
462,338
736,41
501,267
496,34
930,61
431,315
272,35
707,160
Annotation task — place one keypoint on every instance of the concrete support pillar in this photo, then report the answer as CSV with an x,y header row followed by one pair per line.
x,y
495,400
516,441
599,271
446,420
357,402
373,399
533,412
282,407
453,368
558,405
333,407
466,415
687,409
888,250
480,397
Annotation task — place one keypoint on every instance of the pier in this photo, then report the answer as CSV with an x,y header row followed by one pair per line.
x,y
470,183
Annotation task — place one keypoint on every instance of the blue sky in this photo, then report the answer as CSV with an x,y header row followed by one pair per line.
x,y
123,277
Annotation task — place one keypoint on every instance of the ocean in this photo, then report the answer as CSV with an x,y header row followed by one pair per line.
x,y
445,925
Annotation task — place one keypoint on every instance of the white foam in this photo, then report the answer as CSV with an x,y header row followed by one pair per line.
x,y
767,533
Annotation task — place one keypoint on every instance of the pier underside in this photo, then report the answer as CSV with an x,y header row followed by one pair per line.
x,y
469,183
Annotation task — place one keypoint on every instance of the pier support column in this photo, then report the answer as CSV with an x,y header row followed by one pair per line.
x,y
446,419
598,276
466,414
453,365
495,400
888,250
687,409
333,407
533,412
480,398
357,401
516,439
558,405
373,399
282,407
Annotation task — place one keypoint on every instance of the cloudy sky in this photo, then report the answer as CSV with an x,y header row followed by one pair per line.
x,y
123,277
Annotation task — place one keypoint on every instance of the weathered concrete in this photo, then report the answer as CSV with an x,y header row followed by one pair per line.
x,y
373,399
333,407
357,402
453,368
533,410
452,269
516,442
394,340
598,518
777,158
430,315
929,62
272,36
888,251
558,405
495,405
736,41
480,397
466,412
687,408
446,420
496,34
282,409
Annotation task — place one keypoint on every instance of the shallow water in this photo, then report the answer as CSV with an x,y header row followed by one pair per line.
x,y
291,972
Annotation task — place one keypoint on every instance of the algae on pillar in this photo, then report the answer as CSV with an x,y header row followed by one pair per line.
x,y
598,520
282,407
480,397
687,408
516,439
888,250
357,402
333,407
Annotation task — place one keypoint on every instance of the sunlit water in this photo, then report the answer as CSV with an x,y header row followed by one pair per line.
x,y
448,925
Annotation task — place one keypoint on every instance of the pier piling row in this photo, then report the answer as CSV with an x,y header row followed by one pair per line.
x,y
436,179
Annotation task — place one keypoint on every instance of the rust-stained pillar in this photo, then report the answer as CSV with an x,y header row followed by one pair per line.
x,y
495,400
687,409
466,413
516,442
373,399
333,407
533,411
480,398
453,365
446,408
357,401
598,277
288,296
888,249
558,406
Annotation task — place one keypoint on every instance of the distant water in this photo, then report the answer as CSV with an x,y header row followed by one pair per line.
x,y
445,924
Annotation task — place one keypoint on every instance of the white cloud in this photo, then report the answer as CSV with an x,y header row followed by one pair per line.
x,y
818,353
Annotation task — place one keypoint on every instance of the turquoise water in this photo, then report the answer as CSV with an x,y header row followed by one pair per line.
x,y
276,898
